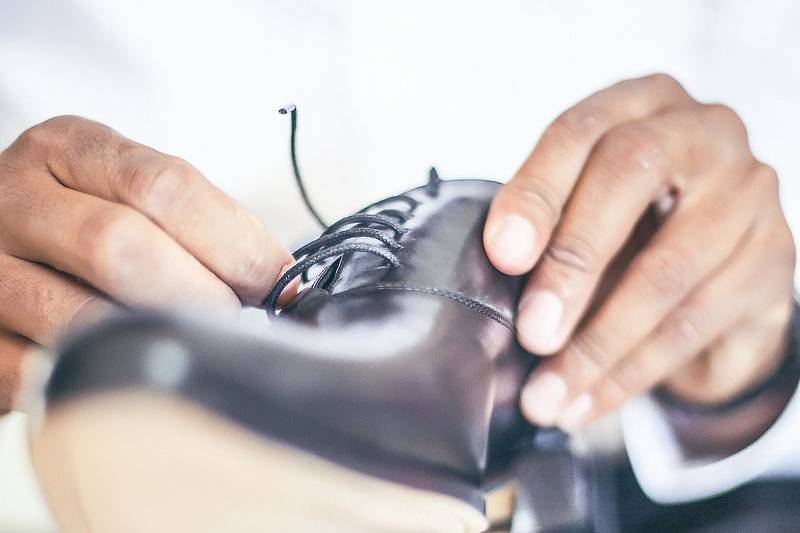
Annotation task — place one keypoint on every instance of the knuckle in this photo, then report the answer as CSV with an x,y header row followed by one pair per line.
x,y
574,253
667,271
158,186
625,378
631,150
537,198
666,83
110,240
581,123
725,117
76,138
61,122
83,310
759,186
764,178
683,327
37,138
774,231
40,137
728,126
589,351
778,239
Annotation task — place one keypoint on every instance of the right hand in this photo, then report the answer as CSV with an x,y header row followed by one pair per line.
x,y
91,221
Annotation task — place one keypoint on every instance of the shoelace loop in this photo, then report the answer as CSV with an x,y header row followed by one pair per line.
x,y
336,240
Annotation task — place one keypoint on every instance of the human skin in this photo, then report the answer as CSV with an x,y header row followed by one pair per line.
x,y
91,222
703,305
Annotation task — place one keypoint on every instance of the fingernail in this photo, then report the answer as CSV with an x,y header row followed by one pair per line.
x,y
513,241
575,413
539,317
542,398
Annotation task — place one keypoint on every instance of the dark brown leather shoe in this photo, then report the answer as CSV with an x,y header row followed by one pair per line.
x,y
398,361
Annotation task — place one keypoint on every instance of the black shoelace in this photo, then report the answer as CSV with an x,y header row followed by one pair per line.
x,y
385,227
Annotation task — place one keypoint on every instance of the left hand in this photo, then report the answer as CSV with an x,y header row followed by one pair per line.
x,y
704,304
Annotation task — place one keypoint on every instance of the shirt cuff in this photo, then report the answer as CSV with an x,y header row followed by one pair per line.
x,y
672,469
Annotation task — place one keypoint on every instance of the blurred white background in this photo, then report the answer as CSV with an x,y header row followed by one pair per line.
x,y
384,89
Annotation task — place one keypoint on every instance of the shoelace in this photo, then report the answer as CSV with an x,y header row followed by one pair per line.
x,y
334,243
336,240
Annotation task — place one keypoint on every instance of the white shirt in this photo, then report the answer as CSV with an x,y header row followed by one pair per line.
x,y
385,90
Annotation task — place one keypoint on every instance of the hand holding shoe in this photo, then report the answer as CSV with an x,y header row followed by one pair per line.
x,y
91,221
704,305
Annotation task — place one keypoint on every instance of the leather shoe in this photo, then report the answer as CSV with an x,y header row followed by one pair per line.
x,y
398,359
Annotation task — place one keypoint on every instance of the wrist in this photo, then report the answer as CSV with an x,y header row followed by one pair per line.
x,y
727,426
737,363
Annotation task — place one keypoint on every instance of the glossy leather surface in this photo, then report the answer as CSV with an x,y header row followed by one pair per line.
x,y
409,373
442,249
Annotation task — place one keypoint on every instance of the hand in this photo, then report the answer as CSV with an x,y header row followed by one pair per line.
x,y
702,306
91,221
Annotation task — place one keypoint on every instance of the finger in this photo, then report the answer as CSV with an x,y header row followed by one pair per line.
x,y
112,247
714,309
693,242
525,211
12,353
631,165
223,236
42,304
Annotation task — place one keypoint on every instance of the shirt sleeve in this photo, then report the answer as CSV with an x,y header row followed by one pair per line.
x,y
670,472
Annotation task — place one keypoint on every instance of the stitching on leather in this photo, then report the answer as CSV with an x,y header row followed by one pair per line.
x,y
475,305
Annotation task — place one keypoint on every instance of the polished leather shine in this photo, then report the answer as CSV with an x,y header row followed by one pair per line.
x,y
410,373
442,250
